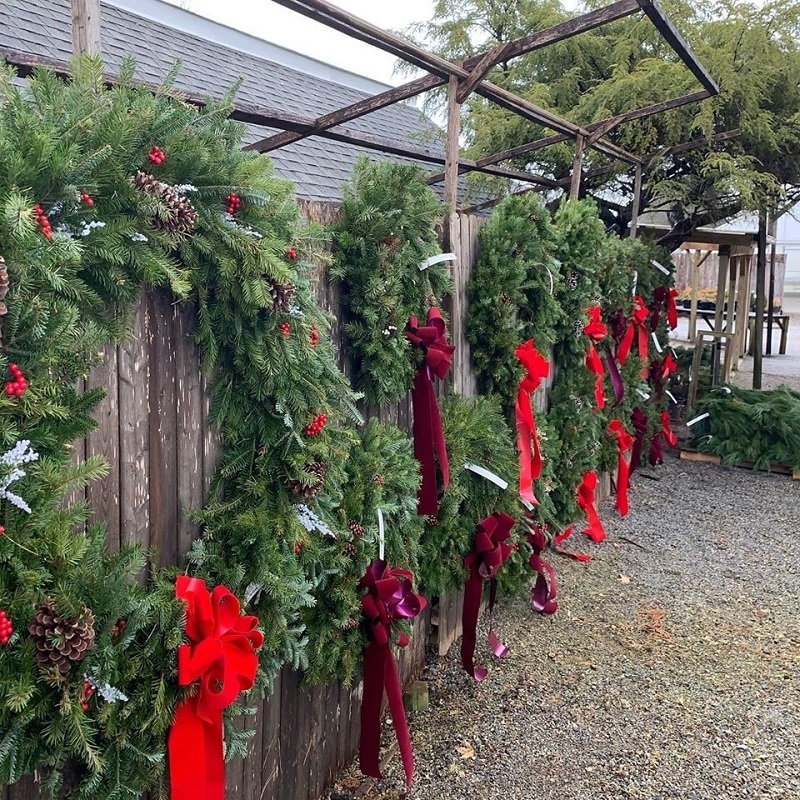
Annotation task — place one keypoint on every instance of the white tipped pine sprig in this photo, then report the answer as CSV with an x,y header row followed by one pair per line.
x,y
11,464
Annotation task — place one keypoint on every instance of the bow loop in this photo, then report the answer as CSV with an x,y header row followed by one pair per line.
x,y
624,444
430,338
637,329
536,368
586,501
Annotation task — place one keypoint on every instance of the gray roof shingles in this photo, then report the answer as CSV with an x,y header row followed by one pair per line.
x,y
318,166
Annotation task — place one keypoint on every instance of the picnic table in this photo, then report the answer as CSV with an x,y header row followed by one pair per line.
x,y
709,315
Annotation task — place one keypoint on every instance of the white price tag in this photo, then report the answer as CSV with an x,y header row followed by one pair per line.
x,y
659,348
635,281
429,262
672,397
488,474
381,535
526,503
697,419
659,266
643,394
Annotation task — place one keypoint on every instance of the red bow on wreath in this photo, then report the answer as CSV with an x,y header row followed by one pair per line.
x,y
221,656
637,328
597,331
490,551
536,367
544,591
624,444
664,297
390,596
429,441
586,501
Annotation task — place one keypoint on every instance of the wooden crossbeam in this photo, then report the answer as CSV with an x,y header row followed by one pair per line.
x,y
480,71
692,144
517,47
675,40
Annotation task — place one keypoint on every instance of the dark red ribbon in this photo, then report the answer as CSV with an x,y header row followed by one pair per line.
x,y
637,329
429,443
664,300
221,656
596,330
666,430
536,367
663,434
639,422
490,552
624,444
560,538
659,373
545,589
586,501
390,596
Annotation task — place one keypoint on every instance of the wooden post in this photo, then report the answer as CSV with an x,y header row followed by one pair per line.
x,y
696,261
773,232
85,27
761,274
637,200
724,257
577,168
452,152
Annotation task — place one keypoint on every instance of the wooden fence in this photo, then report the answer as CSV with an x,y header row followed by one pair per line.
x,y
154,431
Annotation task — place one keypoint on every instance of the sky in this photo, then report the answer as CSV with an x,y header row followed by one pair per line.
x,y
272,22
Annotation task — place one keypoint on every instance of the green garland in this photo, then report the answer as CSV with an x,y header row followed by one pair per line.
x,y
387,229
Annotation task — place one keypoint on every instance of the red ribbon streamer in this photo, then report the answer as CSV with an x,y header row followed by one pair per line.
x,y
586,500
637,328
536,367
221,656
624,444
584,558
659,373
596,330
390,596
429,441
664,433
666,430
545,590
490,552
664,297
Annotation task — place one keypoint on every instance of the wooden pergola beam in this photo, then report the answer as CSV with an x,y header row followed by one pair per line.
x,y
675,40
604,125
691,145
517,47
85,26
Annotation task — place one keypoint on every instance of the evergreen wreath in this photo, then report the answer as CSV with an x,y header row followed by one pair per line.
x,y
386,230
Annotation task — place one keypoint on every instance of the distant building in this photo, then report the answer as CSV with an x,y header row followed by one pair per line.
x,y
788,242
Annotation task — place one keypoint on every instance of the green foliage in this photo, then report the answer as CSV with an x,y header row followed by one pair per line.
x,y
476,433
512,292
762,427
387,228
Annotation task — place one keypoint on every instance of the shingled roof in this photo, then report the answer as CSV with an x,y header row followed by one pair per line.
x,y
214,57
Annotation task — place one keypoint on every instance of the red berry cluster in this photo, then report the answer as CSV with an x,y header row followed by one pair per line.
x,y
314,428
118,627
314,338
19,385
88,691
2,530
86,199
291,254
156,156
234,203
44,222
286,329
6,628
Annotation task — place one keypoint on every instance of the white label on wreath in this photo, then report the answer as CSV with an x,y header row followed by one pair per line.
x,y
659,266
488,474
381,535
659,348
697,419
429,262
672,397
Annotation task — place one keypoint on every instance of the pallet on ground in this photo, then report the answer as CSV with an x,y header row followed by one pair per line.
x,y
710,458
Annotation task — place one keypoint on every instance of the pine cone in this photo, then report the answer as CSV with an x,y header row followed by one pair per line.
x,y
378,480
61,642
356,528
145,182
3,286
304,488
349,550
282,295
350,623
572,281
180,217
431,520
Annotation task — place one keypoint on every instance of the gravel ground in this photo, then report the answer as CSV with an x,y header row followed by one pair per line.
x,y
669,672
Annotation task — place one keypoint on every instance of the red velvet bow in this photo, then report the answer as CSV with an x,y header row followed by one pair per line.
x,y
596,330
663,297
390,596
429,441
536,367
624,444
586,500
221,655
491,551
545,590
637,327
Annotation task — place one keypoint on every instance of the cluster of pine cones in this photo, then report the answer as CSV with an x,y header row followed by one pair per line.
x,y
282,295
305,487
61,641
176,214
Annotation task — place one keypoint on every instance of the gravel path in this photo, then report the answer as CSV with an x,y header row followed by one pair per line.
x,y
670,672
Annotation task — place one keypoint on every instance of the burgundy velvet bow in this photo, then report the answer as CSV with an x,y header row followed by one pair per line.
x,y
491,551
624,444
659,373
637,329
664,300
586,501
221,656
536,368
389,596
429,444
545,590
